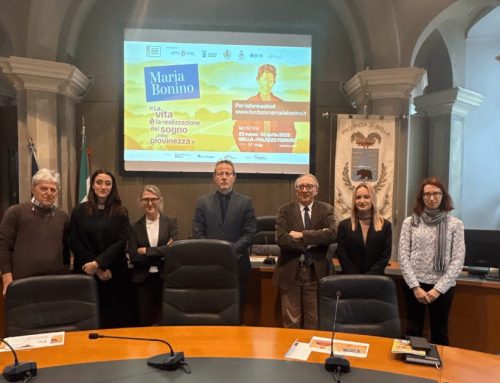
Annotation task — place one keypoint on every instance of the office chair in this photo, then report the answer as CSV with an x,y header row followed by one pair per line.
x,y
201,285
265,241
368,305
50,304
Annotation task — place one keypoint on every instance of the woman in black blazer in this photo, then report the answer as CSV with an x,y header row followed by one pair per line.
x,y
364,240
149,239
99,231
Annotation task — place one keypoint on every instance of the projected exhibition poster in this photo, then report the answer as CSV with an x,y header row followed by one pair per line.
x,y
194,97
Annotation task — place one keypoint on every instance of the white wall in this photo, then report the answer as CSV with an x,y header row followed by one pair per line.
x,y
481,189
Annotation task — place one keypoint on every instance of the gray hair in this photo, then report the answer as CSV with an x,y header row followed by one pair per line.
x,y
156,191
47,175
307,175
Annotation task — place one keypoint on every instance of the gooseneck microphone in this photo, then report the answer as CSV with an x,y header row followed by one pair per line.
x,y
19,370
169,361
336,363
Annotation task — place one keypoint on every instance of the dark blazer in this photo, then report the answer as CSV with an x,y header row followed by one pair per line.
x,y
322,234
99,237
239,227
154,255
357,258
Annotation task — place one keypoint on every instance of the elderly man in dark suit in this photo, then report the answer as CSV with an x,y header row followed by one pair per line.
x,y
227,215
304,229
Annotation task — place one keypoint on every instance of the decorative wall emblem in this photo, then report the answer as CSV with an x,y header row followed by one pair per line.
x,y
365,153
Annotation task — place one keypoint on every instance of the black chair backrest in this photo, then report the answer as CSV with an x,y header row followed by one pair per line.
x,y
264,242
265,230
368,305
201,283
50,304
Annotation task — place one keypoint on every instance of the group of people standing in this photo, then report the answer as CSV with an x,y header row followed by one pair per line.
x,y
431,252
35,239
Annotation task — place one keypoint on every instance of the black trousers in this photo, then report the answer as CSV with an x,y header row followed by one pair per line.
x,y
244,270
439,311
149,299
116,304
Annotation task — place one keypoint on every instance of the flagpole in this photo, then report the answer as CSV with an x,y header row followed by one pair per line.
x,y
83,129
34,158
83,176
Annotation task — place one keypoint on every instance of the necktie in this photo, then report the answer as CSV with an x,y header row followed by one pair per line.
x,y
307,218
306,258
223,206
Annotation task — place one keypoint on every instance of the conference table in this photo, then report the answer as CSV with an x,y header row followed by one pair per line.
x,y
230,352
474,318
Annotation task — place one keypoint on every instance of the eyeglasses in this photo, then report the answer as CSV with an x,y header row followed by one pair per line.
x,y
227,174
48,190
308,187
146,201
432,194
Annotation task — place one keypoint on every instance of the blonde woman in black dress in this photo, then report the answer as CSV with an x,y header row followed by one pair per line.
x,y
364,240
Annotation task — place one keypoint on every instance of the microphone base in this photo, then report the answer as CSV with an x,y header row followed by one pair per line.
x,y
167,361
334,363
15,373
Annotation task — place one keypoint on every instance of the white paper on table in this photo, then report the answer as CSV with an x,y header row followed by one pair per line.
x,y
33,341
340,347
299,351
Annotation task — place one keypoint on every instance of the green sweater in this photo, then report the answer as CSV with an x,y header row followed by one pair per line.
x,y
33,241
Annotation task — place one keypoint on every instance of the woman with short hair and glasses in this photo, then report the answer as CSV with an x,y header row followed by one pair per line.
x,y
149,239
431,253
364,240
